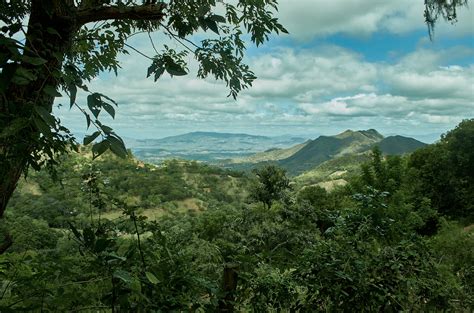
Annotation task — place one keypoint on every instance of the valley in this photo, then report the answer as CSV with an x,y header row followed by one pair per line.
x,y
350,213
308,160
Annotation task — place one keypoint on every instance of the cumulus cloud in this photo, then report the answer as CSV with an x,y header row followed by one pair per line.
x,y
299,89
306,19
307,87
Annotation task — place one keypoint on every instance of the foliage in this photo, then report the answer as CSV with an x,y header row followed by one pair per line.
x,y
77,51
68,43
377,244
434,9
270,185
443,171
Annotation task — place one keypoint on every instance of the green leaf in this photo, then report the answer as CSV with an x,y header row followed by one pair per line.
x,y
94,104
175,69
101,244
151,70
212,25
158,73
51,91
112,257
34,60
108,98
123,276
23,76
14,127
45,115
106,129
91,138
109,109
202,10
99,148
88,120
217,18
43,127
152,278
72,93
89,237
117,147
53,31
74,230
14,28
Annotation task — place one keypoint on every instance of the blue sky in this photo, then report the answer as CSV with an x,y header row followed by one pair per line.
x,y
346,64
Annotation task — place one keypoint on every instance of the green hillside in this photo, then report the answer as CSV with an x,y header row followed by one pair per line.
x,y
396,145
325,148
306,157
342,167
173,187
274,154
118,235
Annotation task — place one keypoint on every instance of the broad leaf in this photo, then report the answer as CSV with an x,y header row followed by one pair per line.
x,y
94,104
152,278
51,91
91,138
45,115
99,148
72,94
212,25
175,69
109,109
117,147
217,18
34,60
123,276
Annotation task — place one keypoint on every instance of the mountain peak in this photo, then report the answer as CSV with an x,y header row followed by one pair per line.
x,y
370,133
397,145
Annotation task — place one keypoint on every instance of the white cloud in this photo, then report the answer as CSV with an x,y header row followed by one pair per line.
x,y
306,19
306,88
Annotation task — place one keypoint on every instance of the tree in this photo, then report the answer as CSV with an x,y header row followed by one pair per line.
x,y
69,42
443,172
446,9
270,185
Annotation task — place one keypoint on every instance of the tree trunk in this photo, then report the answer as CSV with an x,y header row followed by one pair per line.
x,y
229,287
19,100
51,28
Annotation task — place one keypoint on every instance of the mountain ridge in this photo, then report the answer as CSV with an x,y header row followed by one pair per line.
x,y
325,148
309,155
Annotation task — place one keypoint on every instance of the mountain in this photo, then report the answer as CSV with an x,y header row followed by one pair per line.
x,y
207,146
325,148
273,154
333,169
396,145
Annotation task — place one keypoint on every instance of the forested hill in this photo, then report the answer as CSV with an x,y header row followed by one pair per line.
x,y
171,188
396,145
350,142
324,148
118,233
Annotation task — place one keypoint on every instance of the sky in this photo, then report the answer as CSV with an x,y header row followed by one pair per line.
x,y
346,64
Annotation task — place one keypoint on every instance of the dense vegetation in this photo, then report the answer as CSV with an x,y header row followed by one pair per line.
x,y
393,239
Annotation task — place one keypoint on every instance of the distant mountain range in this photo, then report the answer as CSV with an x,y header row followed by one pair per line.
x,y
207,146
243,151
308,155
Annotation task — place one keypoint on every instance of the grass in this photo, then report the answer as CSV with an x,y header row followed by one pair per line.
x,y
169,208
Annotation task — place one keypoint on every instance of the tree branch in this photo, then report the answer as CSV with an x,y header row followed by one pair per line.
x,y
137,12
